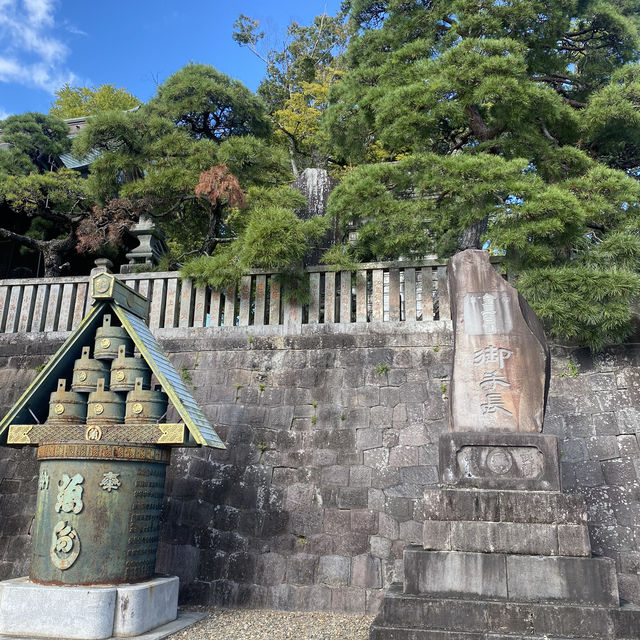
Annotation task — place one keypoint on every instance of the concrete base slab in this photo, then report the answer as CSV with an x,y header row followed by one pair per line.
x,y
86,613
185,619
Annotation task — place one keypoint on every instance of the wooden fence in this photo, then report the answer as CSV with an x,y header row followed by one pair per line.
x,y
376,292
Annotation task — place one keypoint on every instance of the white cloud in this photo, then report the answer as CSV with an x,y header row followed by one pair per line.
x,y
33,55
4,114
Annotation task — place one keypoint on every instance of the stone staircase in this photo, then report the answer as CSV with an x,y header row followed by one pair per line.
x,y
504,563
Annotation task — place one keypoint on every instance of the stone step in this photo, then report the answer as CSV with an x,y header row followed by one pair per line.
x,y
534,507
410,617
507,537
400,633
566,580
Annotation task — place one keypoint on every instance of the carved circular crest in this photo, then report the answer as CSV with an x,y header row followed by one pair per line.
x,y
59,409
102,285
98,408
93,433
82,376
105,343
120,376
137,408
499,461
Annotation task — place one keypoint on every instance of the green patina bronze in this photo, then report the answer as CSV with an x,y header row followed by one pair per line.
x,y
97,518
103,451
125,371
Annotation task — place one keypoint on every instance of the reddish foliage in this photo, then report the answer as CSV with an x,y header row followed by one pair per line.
x,y
220,186
109,224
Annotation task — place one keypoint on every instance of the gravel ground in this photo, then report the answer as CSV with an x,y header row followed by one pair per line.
x,y
255,624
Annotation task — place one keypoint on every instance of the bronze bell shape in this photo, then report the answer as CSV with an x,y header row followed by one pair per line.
x,y
105,407
125,371
109,339
87,371
145,406
66,407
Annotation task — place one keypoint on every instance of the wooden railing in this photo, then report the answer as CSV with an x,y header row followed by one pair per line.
x,y
375,292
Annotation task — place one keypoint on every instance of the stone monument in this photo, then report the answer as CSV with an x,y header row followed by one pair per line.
x,y
505,553
103,446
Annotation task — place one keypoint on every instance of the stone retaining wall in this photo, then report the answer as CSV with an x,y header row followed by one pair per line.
x,y
332,438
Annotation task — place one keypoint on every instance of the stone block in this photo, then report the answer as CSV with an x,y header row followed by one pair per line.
x,y
602,447
301,568
28,609
349,600
421,475
335,475
403,457
619,472
574,450
628,446
366,572
472,505
504,537
380,547
144,606
333,571
436,535
270,569
455,573
588,473
360,476
353,498
542,507
570,580
337,520
526,462
573,540
364,520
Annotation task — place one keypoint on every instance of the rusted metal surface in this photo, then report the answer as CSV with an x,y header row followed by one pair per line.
x,y
105,407
97,517
125,371
66,406
87,371
145,405
109,339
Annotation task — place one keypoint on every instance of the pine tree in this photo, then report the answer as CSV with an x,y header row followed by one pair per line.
x,y
509,124
198,160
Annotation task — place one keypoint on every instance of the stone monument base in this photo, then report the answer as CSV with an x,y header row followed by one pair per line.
x,y
500,564
86,613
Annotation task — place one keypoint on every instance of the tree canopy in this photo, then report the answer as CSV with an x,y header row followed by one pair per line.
x,y
504,125
509,125
198,160
77,102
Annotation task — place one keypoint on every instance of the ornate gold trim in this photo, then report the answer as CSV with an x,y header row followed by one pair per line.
x,y
171,433
19,434
124,453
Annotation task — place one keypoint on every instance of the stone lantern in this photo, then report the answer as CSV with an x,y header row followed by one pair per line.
x,y
97,413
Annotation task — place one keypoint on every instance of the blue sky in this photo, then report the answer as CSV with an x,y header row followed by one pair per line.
x,y
134,44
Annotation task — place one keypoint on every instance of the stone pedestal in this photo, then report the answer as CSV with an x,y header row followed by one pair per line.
x,y
86,613
498,563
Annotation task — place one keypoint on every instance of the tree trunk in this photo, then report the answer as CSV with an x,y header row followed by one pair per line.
x,y
53,254
471,236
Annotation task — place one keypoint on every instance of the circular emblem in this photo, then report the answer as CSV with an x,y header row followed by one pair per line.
x,y
98,408
82,376
105,343
120,376
59,409
102,285
93,433
137,408
499,461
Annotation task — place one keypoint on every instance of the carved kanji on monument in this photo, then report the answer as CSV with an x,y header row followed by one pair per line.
x,y
501,361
